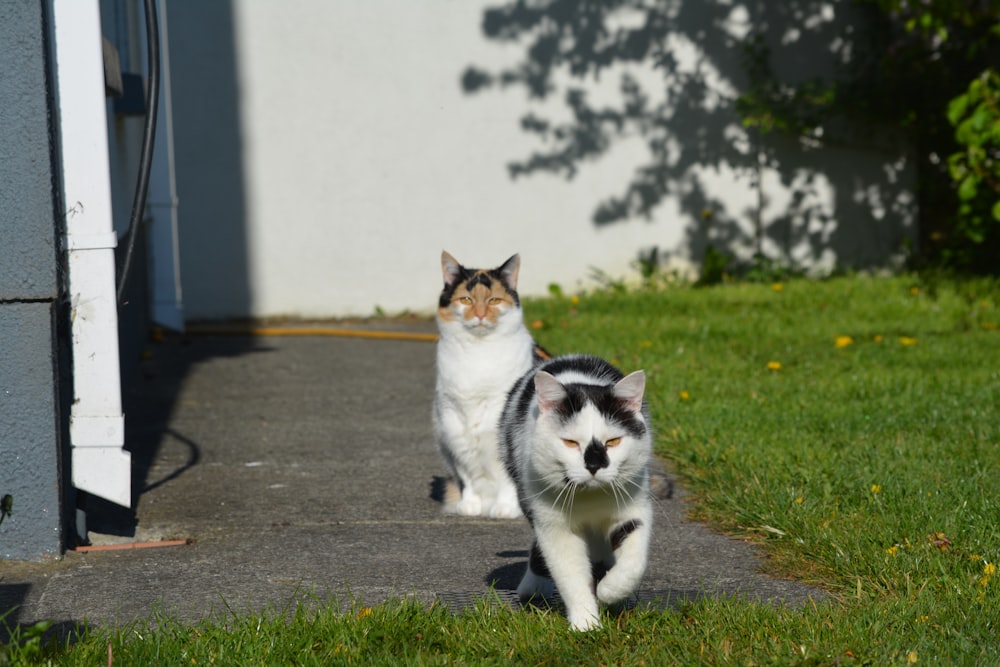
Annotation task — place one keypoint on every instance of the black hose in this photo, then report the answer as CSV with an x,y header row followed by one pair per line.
x,y
148,137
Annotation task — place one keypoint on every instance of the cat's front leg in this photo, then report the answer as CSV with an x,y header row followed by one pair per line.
x,y
506,505
536,584
630,541
569,564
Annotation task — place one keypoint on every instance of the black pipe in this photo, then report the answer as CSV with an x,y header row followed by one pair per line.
x,y
148,137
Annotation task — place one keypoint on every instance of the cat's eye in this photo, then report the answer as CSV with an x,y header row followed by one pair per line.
x,y
465,300
570,443
495,301
612,442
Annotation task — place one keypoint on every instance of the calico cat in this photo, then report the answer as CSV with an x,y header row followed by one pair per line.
x,y
483,349
575,437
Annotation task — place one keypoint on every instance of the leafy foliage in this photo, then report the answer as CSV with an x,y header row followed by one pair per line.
x,y
914,57
975,115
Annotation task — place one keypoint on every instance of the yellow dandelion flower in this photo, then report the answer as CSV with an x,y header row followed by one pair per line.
x,y
774,365
684,395
914,291
878,338
574,299
907,341
911,658
923,618
777,287
989,569
892,550
842,341
799,500
364,611
876,489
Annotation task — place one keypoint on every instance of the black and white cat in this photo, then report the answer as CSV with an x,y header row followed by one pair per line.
x,y
483,349
575,436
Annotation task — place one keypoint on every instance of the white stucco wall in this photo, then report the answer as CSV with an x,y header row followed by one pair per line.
x,y
358,158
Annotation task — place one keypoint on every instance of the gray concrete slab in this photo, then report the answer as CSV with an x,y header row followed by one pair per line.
x,y
303,468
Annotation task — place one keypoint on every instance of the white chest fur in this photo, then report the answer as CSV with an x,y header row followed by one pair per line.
x,y
474,375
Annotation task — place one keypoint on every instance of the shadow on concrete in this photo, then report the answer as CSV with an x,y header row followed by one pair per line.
x,y
508,576
438,487
149,404
212,214
505,579
194,455
58,634
12,597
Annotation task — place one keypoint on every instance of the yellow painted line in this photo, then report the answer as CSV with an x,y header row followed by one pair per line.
x,y
312,331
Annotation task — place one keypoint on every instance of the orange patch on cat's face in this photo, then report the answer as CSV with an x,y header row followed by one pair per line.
x,y
480,304
447,313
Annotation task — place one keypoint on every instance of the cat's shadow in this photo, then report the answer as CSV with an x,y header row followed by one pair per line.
x,y
505,578
438,486
508,576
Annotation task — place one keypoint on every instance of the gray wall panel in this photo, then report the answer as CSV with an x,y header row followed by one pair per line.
x,y
29,455
27,232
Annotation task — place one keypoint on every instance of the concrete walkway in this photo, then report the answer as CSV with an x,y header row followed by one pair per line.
x,y
305,466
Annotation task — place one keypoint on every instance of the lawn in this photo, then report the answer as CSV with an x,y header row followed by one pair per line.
x,y
851,427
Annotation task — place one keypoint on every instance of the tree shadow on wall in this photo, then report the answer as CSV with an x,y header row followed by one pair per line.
x,y
676,70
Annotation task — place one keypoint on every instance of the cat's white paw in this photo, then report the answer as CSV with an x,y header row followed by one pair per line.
x,y
535,587
621,581
612,592
469,505
505,510
584,620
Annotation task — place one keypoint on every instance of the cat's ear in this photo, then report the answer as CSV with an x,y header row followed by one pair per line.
x,y
550,393
508,272
630,389
450,268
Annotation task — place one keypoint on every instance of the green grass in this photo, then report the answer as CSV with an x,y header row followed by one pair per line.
x,y
871,469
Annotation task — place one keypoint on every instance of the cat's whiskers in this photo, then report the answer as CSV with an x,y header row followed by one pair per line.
x,y
570,498
545,489
626,495
565,497
630,483
618,491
